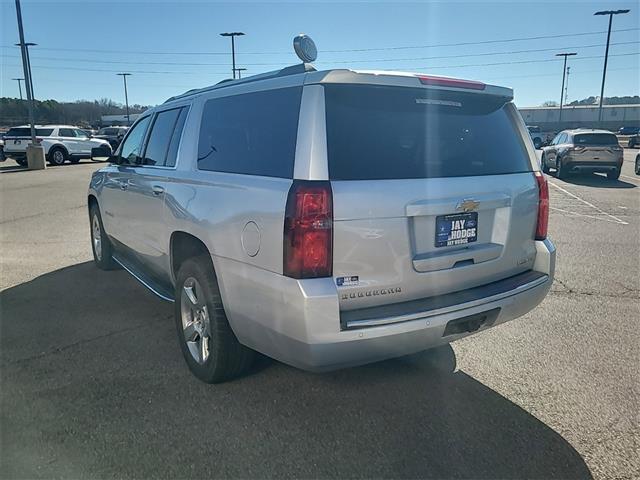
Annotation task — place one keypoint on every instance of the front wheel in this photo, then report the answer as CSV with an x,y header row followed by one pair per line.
x,y
543,162
208,344
637,164
100,243
57,156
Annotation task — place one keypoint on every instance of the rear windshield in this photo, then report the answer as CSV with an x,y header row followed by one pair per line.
x,y
26,132
380,132
595,139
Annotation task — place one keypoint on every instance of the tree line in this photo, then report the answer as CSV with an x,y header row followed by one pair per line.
x,y
14,111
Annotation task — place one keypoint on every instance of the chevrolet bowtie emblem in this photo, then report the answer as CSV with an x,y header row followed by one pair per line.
x,y
468,205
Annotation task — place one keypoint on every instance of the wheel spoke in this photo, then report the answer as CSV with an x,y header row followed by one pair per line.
x,y
191,294
204,348
190,332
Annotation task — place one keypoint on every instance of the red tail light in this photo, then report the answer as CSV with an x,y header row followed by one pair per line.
x,y
543,206
451,82
308,230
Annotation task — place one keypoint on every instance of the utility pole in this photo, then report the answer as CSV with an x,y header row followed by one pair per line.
x,y
27,73
126,96
564,70
611,13
233,49
240,70
566,87
19,86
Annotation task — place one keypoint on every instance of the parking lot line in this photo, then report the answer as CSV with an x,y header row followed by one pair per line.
x,y
573,195
630,178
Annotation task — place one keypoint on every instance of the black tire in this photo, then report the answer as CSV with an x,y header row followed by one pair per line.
x,y
560,170
638,164
543,163
615,175
227,358
57,156
537,143
21,161
74,160
102,258
632,143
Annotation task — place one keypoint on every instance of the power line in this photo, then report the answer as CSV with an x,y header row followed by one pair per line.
x,y
405,47
512,52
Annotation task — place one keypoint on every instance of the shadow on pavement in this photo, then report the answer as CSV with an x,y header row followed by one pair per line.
x,y
94,385
597,181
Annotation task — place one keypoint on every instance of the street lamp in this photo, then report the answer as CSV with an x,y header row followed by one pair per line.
x,y
240,70
124,76
564,71
19,86
611,13
233,49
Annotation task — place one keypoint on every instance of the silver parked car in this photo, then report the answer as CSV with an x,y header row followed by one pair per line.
x,y
328,218
583,150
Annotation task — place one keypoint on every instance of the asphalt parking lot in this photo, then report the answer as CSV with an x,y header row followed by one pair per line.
x,y
94,385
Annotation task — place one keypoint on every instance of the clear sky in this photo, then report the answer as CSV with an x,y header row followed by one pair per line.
x,y
170,47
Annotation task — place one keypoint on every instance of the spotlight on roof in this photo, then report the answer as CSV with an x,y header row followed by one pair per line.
x,y
305,48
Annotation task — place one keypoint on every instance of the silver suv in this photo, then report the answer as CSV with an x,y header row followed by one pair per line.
x,y
328,218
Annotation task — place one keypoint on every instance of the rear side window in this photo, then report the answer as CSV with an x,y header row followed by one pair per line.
x,y
26,132
162,132
66,132
379,132
595,139
252,133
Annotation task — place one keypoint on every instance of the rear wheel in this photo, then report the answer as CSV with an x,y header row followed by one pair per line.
x,y
57,156
100,244
560,170
21,161
208,344
543,161
615,175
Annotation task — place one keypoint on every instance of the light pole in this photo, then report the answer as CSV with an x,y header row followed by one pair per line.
x,y
233,49
611,13
27,72
126,96
26,46
564,71
240,70
19,86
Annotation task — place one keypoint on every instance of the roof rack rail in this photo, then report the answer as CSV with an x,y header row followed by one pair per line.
x,y
291,70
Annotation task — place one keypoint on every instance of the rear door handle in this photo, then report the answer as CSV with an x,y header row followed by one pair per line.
x,y
157,190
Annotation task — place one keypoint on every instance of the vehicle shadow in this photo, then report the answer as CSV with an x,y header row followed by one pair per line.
x,y
596,181
12,167
94,385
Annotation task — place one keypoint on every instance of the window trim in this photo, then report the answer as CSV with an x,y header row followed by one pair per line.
x,y
148,135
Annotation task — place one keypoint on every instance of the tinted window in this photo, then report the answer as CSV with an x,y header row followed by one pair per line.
x,y
66,132
161,133
595,139
175,139
254,133
376,132
131,147
26,132
82,133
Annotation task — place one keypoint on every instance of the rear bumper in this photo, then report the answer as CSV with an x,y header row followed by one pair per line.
x,y
298,321
599,165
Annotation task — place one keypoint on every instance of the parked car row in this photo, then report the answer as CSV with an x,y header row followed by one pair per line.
x,y
61,143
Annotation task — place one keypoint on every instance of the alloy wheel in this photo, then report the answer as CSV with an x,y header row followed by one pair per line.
x,y
196,325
